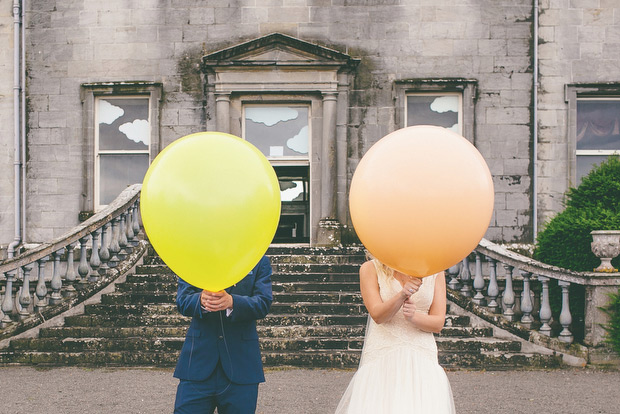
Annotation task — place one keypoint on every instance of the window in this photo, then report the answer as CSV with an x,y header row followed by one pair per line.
x,y
597,132
120,138
282,133
443,102
435,109
122,144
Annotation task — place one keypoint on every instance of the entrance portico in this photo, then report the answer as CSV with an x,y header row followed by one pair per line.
x,y
290,99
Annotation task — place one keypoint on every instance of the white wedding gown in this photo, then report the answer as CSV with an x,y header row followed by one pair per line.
x,y
398,370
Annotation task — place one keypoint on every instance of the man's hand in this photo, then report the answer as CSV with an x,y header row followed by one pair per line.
x,y
216,301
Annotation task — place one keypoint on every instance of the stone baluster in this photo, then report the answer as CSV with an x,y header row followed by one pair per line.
x,y
114,247
104,251
83,268
493,288
122,238
465,277
136,221
545,307
453,272
509,295
56,283
565,317
41,289
7,301
526,300
478,282
95,261
25,300
70,275
129,228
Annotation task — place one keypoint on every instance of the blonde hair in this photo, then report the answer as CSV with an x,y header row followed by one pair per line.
x,y
387,270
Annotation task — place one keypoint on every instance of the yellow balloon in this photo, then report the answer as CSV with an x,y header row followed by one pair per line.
x,y
421,199
210,205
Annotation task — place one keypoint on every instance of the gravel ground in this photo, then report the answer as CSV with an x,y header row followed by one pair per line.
x,y
300,391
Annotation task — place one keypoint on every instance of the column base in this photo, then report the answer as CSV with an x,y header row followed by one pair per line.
x,y
329,233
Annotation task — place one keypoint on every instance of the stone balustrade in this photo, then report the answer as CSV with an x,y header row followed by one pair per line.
x,y
46,280
514,290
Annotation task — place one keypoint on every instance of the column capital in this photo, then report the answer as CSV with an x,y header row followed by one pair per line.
x,y
330,96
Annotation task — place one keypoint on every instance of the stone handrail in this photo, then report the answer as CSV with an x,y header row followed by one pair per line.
x,y
109,236
508,288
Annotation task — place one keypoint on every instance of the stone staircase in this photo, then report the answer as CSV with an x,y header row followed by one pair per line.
x,y
317,319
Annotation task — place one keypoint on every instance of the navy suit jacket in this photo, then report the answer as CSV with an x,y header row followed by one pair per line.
x,y
231,340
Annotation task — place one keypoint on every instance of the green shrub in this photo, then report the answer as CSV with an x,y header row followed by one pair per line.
x,y
613,327
565,240
594,205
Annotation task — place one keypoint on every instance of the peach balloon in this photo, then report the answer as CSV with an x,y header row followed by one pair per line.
x,y
421,199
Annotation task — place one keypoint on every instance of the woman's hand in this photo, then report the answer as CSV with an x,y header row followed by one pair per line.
x,y
410,287
409,310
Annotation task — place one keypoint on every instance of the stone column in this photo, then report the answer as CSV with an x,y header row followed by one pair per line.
x,y
222,112
341,147
329,228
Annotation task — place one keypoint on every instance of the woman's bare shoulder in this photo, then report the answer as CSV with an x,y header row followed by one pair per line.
x,y
368,270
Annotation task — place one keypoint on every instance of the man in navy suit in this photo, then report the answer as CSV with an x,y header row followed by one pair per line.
x,y
220,364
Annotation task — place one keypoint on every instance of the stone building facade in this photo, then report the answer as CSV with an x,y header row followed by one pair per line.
x,y
107,85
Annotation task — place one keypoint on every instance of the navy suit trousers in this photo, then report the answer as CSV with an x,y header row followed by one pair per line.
x,y
217,391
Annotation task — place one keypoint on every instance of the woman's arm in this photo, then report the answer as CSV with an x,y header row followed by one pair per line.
x,y
436,318
379,310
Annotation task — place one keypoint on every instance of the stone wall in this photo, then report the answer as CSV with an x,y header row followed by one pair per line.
x,y
7,150
75,42
579,44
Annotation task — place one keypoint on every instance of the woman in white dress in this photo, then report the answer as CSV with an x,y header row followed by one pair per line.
x,y
399,371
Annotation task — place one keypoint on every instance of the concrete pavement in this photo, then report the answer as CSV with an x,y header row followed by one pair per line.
x,y
299,391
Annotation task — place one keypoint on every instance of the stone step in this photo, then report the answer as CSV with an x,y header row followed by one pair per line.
x,y
160,309
319,297
155,282
317,286
312,359
315,277
113,332
467,345
141,297
331,258
300,331
277,268
312,320
314,268
167,281
497,361
147,309
146,286
93,359
293,331
292,250
466,332
168,344
307,358
126,320
308,308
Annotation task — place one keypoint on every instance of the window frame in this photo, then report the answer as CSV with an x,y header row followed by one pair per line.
x,y
466,88
438,93
98,151
574,93
287,160
89,95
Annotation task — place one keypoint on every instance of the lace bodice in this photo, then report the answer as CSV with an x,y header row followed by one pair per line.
x,y
398,332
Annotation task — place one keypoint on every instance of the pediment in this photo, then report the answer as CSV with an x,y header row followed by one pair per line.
x,y
277,50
